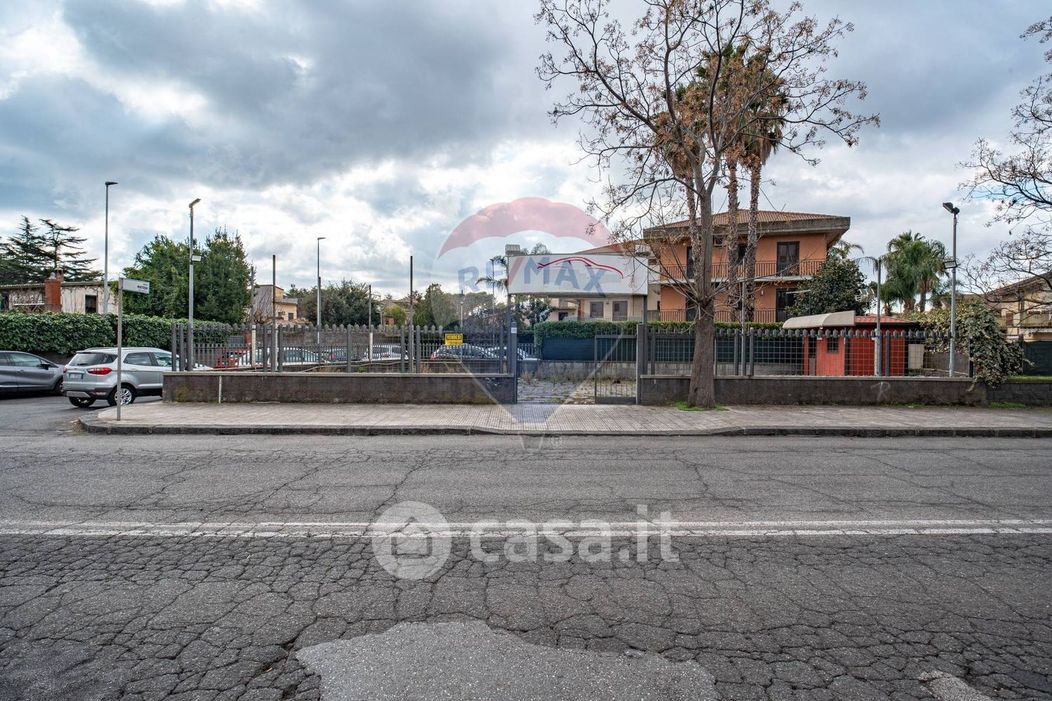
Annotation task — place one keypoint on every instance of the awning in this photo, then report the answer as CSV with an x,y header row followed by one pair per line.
x,y
815,321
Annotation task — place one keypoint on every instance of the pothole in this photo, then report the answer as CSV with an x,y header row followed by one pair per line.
x,y
473,661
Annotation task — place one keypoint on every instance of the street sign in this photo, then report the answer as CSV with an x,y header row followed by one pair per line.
x,y
140,286
454,339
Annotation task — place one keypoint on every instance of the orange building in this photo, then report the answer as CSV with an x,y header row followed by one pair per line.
x,y
792,246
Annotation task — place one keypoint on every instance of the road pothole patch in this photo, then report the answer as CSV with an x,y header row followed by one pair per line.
x,y
473,661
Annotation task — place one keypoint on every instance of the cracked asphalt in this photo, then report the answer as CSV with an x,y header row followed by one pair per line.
x,y
847,615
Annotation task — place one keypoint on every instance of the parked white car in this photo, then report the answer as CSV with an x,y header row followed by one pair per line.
x,y
91,375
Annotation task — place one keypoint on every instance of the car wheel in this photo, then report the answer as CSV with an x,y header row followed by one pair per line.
x,y
81,402
127,395
57,389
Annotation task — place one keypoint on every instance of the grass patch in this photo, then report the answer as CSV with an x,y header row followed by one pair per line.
x,y
683,406
1007,405
1030,378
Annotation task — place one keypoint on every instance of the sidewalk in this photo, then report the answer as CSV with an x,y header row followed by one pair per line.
x,y
567,420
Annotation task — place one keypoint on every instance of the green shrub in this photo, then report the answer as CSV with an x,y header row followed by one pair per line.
x,y
65,334
61,334
993,356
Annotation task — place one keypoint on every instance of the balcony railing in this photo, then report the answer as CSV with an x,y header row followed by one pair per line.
x,y
764,269
766,316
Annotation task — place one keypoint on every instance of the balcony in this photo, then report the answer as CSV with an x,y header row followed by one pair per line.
x,y
765,270
765,316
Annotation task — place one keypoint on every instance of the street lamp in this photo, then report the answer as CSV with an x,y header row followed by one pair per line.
x,y
951,263
320,239
190,311
878,357
106,254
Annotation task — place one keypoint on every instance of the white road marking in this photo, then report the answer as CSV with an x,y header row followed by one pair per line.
x,y
563,527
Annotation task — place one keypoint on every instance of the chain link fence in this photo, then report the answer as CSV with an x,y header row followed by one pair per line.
x,y
805,352
303,348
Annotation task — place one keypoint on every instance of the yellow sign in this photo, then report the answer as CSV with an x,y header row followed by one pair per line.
x,y
454,339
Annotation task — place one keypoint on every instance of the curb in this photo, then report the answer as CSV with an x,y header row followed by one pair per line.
x,y
93,425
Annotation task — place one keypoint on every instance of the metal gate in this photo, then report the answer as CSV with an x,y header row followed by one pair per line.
x,y
614,369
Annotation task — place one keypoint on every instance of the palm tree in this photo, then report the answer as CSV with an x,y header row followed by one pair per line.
x,y
761,140
843,250
915,266
496,283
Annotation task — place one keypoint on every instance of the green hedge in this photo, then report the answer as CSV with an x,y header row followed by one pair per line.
x,y
589,329
65,334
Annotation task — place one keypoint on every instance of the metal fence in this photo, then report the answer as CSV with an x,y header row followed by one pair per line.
x,y
303,348
815,352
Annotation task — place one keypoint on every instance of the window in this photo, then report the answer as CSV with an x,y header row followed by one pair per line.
x,y
163,359
138,359
5,301
620,310
690,263
595,310
742,249
91,358
24,360
832,344
788,257
784,298
91,304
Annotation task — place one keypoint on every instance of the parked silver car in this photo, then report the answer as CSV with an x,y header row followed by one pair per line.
x,y
92,375
25,372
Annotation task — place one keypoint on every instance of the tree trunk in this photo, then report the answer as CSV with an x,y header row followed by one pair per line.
x,y
730,243
702,389
754,235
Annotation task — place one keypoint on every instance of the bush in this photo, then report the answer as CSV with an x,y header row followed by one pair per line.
x,y
61,334
978,335
65,334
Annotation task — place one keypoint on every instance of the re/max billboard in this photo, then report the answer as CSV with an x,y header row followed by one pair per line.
x,y
577,275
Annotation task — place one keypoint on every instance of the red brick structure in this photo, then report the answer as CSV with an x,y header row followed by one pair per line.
x,y
53,293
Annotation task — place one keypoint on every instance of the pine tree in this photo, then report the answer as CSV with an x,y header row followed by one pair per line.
x,y
24,254
65,253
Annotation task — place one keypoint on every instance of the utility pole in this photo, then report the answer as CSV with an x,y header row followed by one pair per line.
x,y
952,264
274,312
318,300
190,311
878,350
106,254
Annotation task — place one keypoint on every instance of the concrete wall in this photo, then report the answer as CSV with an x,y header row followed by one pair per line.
x,y
336,388
1028,393
858,391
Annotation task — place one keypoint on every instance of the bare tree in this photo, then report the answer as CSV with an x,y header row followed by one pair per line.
x,y
663,108
1018,270
1021,182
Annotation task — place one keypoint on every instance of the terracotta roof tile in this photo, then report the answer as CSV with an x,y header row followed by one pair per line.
x,y
764,216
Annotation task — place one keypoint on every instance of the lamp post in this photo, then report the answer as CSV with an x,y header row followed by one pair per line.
x,y
106,254
318,299
190,304
878,355
951,263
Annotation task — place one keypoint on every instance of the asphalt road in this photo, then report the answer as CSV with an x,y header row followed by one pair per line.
x,y
219,567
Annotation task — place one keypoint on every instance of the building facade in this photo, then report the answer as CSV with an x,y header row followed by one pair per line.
x,y
55,295
269,304
791,248
1024,308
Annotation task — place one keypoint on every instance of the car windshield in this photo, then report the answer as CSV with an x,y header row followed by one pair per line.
x,y
92,358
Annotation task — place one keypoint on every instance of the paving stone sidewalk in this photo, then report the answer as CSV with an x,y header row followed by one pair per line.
x,y
555,420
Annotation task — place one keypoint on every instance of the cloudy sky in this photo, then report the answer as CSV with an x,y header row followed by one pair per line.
x,y
382,125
